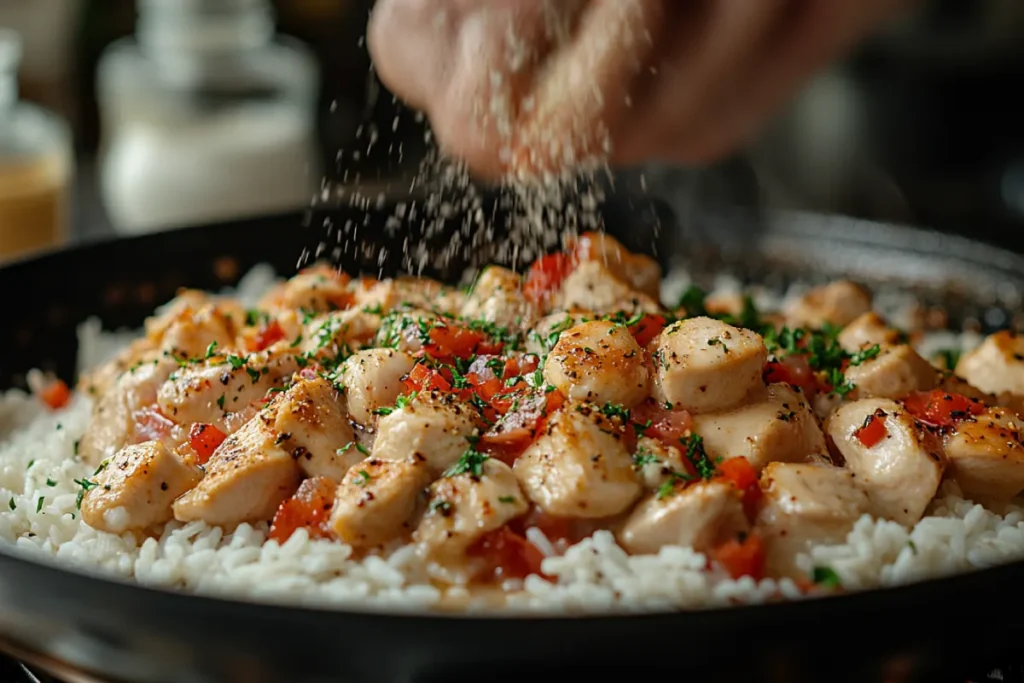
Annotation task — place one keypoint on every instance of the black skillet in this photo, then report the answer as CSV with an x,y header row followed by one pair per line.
x,y
79,623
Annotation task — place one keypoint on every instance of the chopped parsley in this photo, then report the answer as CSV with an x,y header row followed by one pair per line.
x,y
235,362
694,300
613,410
825,576
507,499
211,350
362,478
84,486
716,341
356,445
442,506
697,456
950,357
39,504
50,482
643,457
471,462
220,402
670,484
11,504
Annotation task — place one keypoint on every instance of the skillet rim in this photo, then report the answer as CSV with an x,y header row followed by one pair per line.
x,y
861,231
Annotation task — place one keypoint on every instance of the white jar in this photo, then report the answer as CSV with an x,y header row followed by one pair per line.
x,y
206,117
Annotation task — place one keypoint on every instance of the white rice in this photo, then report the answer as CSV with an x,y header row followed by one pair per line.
x,y
38,468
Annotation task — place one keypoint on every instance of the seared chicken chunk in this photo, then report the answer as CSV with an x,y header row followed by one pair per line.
x,y
206,392
639,271
775,425
318,288
598,362
312,426
377,499
593,286
193,332
579,467
497,297
996,365
837,303
410,292
433,427
373,380
806,504
986,457
901,472
464,507
336,335
700,516
893,373
703,365
247,478
866,331
136,488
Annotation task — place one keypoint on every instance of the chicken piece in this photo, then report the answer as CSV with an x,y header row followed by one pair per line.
x,y
656,463
193,333
867,330
336,335
319,288
136,488
312,426
902,471
373,379
99,380
895,372
775,425
464,507
247,478
704,365
377,499
497,297
986,457
184,301
700,516
803,505
996,365
837,303
207,392
113,416
406,330
433,426
640,272
549,329
410,292
579,467
593,286
599,362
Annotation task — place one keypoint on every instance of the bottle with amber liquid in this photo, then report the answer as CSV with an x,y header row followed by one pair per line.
x,y
35,165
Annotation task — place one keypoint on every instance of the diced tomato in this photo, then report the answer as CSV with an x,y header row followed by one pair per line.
x,y
872,431
741,557
483,367
941,408
309,508
204,439
648,329
422,378
655,420
509,555
151,424
490,348
793,370
267,336
452,341
740,472
526,364
55,394
519,428
546,275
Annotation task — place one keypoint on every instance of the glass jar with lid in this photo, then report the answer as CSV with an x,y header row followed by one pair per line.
x,y
36,162
206,115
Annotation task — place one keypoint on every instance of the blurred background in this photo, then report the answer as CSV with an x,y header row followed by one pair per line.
x,y
126,116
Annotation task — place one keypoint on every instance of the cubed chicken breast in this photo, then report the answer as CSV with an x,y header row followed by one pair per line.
x,y
593,286
639,271
335,335
434,426
208,391
136,488
656,463
319,288
497,297
377,500
901,471
838,303
113,415
704,365
184,301
996,365
776,425
599,362
803,505
895,372
579,466
191,334
410,292
699,516
867,330
373,380
986,457
312,426
247,478
464,507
